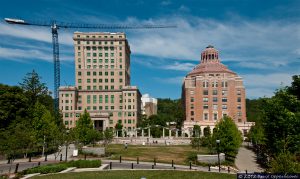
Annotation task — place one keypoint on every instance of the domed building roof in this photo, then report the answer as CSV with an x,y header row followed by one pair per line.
x,y
210,63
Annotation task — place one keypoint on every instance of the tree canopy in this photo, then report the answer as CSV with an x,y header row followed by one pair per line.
x,y
230,137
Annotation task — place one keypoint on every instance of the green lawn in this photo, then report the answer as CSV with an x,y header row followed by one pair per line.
x,y
139,174
163,154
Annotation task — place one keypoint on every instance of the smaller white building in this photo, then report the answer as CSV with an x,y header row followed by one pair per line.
x,y
149,105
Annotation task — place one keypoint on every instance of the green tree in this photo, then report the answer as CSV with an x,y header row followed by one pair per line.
x,y
83,128
196,142
285,163
33,87
13,105
294,89
108,136
93,136
230,138
45,129
256,134
196,131
281,123
207,131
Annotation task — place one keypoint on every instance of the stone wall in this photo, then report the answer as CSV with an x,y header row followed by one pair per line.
x,y
152,141
94,150
210,158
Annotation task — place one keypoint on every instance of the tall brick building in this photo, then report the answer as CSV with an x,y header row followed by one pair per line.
x,y
211,91
102,73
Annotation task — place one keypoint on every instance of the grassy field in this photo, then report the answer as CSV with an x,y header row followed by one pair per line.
x,y
163,154
137,174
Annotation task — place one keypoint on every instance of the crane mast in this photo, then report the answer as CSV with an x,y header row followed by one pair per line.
x,y
56,62
54,29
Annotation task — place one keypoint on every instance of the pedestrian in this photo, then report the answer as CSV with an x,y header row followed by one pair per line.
x,y
126,145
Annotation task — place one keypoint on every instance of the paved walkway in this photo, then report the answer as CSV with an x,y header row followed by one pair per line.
x,y
246,160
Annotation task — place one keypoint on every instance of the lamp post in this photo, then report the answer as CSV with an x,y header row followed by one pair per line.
x,y
218,147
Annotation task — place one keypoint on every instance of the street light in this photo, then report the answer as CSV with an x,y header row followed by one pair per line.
x,y
218,146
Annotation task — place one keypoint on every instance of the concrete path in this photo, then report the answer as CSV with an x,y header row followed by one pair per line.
x,y
246,160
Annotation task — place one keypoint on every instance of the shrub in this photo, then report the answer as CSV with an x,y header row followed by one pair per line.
x,y
192,157
84,163
52,168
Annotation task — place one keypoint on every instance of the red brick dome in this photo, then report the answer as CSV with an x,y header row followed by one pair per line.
x,y
210,63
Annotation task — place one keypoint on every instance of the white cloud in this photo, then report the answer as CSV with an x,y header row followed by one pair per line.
x,y
35,33
173,80
180,66
267,80
258,85
183,8
23,55
166,2
245,41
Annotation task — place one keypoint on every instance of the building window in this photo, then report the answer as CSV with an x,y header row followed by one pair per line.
x,y
239,113
215,107
224,92
224,84
88,99
224,106
205,84
215,84
112,98
224,100
192,106
192,113
192,99
215,92
205,116
106,98
205,92
94,99
215,99
239,99
205,106
238,92
205,99
215,116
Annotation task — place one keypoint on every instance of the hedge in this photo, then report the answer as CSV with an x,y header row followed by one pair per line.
x,y
84,163
54,168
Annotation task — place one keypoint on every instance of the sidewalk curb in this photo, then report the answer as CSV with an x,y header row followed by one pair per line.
x,y
68,170
30,175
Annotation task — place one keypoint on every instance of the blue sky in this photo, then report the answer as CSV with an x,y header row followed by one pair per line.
x,y
260,40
